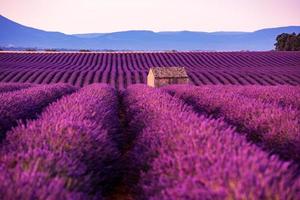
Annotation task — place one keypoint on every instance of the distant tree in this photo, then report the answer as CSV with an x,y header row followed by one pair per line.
x,y
109,50
280,41
297,44
51,50
84,50
30,49
288,42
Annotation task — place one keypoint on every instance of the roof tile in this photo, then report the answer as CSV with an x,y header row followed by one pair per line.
x,y
169,72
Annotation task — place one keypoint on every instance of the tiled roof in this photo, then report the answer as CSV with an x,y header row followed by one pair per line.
x,y
169,72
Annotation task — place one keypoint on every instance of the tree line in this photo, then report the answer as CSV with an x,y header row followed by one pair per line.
x,y
288,42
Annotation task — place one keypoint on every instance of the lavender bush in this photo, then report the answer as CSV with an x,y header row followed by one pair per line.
x,y
10,87
274,127
27,103
181,155
67,153
284,96
143,143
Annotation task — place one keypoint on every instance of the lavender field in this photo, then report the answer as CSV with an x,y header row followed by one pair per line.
x,y
149,100
59,141
86,126
121,69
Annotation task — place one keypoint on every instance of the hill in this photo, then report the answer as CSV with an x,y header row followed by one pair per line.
x,y
16,35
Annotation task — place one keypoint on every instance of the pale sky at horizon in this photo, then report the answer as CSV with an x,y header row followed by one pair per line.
x,y
88,16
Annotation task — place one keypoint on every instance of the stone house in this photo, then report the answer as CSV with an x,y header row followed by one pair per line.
x,y
160,76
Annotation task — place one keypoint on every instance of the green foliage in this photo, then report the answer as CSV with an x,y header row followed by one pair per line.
x,y
51,50
288,42
30,49
84,50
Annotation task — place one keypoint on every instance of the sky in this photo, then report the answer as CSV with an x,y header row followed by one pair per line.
x,y
102,16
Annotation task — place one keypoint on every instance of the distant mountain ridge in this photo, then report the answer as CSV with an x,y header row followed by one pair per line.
x,y
13,34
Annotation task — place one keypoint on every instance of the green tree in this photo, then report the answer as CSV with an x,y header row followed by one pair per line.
x,y
288,42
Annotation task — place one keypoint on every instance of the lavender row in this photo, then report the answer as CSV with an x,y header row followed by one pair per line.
x,y
67,153
138,61
181,155
275,128
121,78
284,96
10,87
27,103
